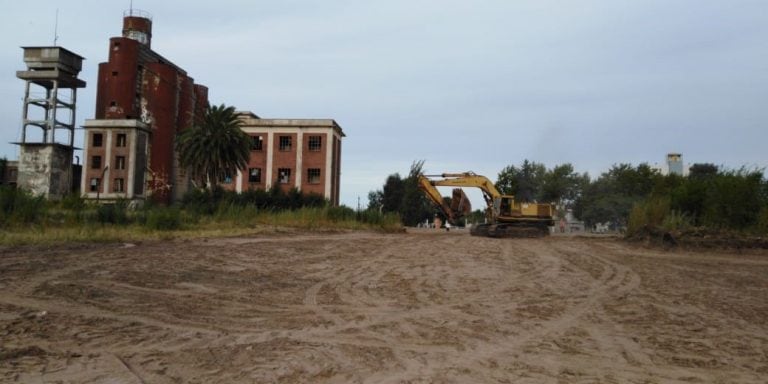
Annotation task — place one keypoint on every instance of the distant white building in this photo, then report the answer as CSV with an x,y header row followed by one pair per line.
x,y
673,165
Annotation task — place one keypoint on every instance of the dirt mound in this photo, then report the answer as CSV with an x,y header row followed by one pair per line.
x,y
698,238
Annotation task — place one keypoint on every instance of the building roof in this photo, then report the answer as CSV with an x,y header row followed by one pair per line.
x,y
250,119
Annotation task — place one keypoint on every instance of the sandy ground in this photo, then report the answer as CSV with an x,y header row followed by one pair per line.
x,y
423,307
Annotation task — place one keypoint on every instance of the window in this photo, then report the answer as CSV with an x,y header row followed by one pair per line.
x,y
283,175
120,162
285,143
254,175
315,143
121,140
257,143
94,184
226,178
119,185
313,175
95,162
96,139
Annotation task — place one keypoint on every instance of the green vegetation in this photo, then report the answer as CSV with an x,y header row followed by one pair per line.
x,y
214,148
27,219
729,200
403,198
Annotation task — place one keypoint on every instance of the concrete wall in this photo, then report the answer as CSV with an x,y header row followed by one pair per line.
x,y
45,170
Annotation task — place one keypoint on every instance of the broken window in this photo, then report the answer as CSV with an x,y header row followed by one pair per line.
x,y
285,143
119,185
96,139
95,184
313,175
254,175
315,143
257,143
95,162
226,178
121,140
120,162
283,175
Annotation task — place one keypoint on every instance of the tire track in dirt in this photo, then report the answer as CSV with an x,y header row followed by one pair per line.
x,y
424,307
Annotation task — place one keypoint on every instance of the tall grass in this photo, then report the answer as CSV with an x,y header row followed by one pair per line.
x,y
27,219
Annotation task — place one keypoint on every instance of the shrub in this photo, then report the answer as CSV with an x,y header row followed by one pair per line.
x,y
20,207
342,213
113,213
649,213
163,219
762,222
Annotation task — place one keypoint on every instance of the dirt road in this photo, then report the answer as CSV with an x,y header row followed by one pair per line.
x,y
427,307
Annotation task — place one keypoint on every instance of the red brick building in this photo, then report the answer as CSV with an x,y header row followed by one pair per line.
x,y
143,100
288,153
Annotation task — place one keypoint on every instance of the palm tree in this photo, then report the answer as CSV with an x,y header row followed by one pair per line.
x,y
214,147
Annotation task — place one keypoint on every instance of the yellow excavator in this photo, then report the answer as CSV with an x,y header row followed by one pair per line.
x,y
505,217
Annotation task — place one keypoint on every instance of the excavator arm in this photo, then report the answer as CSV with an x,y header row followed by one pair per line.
x,y
491,195
434,195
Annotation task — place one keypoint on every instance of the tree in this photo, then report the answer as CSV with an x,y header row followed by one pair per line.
x,y
562,185
215,147
702,171
3,170
525,183
610,198
375,200
415,207
392,194
403,196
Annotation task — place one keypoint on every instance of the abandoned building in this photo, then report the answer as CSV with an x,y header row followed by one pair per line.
x,y
143,100
291,153
46,148
9,172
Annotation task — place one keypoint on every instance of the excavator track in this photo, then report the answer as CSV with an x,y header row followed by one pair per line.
x,y
509,231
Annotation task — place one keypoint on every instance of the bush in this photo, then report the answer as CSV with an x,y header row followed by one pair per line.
x,y
342,213
650,213
113,213
20,207
163,219
762,222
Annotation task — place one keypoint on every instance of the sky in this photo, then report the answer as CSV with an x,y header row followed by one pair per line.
x,y
463,85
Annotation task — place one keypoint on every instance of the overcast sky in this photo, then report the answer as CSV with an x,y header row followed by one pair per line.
x,y
464,85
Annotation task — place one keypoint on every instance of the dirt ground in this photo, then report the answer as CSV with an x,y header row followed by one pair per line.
x,y
422,307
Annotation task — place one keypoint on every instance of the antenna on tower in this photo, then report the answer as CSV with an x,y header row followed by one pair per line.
x,y
131,8
56,28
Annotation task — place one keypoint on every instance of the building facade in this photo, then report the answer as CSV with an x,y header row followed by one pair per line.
x,y
143,100
291,153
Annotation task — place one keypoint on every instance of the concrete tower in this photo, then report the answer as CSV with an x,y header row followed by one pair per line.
x,y
675,164
137,25
45,161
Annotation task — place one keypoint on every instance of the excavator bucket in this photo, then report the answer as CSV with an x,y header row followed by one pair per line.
x,y
460,204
